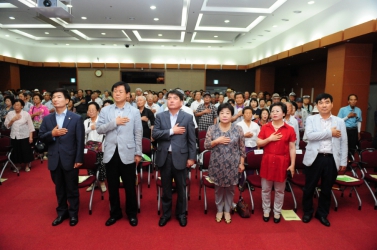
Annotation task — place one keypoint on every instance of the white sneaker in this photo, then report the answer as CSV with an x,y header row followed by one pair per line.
x,y
45,158
103,187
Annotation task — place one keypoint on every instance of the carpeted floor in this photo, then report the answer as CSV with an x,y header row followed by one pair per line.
x,y
27,208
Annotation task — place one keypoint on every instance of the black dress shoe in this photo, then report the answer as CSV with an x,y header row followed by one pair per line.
x,y
277,220
133,221
306,218
323,220
163,221
182,221
73,221
59,220
112,220
266,219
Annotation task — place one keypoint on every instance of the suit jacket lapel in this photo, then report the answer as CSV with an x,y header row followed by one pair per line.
x,y
67,119
180,117
167,119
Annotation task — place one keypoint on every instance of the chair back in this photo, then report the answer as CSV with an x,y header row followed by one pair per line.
x,y
202,134
146,145
299,160
364,135
368,158
253,160
5,144
201,145
365,143
206,158
90,159
5,132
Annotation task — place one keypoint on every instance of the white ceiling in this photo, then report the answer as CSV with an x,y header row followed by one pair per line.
x,y
181,23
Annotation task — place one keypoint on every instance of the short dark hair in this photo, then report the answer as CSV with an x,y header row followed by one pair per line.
x,y
63,91
121,83
323,96
232,101
246,108
281,105
39,95
226,105
22,93
352,95
95,104
262,100
107,101
20,101
294,104
264,109
239,93
10,98
175,92
284,97
254,100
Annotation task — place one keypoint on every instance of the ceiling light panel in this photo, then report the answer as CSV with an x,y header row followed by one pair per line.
x,y
238,21
152,36
242,6
42,32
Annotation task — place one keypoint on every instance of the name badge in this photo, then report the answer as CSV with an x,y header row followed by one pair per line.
x,y
85,150
298,152
258,152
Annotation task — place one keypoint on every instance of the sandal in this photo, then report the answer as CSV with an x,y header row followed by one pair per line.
x,y
227,218
219,217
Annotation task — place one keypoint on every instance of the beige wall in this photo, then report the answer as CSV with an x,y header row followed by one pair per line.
x,y
185,79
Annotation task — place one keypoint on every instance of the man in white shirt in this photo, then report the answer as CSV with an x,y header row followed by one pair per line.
x,y
47,102
221,100
197,102
227,97
97,99
150,105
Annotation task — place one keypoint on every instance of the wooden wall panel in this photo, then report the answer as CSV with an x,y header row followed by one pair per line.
x,y
50,64
10,59
84,65
311,45
23,62
141,65
242,67
361,29
185,66
250,65
331,39
36,64
295,51
233,67
264,61
198,66
157,66
98,65
1,58
273,58
213,66
283,54
67,65
112,65
172,66
257,63
127,65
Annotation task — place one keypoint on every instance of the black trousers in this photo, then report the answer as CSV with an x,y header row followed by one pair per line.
x,y
115,169
168,172
353,138
323,168
66,189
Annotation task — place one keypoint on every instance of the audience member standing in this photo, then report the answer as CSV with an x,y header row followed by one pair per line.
x,y
250,129
147,117
38,111
352,118
239,105
63,132
121,124
206,112
326,154
8,106
81,104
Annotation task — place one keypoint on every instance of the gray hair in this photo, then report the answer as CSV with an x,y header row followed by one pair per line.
x,y
138,89
141,96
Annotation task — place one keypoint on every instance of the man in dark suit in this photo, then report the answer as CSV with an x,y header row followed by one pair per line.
x,y
63,132
174,132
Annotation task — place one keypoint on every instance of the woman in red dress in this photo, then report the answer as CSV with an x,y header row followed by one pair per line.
x,y
278,141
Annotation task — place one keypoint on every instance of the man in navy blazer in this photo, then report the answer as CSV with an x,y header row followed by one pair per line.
x,y
326,154
174,131
121,123
63,132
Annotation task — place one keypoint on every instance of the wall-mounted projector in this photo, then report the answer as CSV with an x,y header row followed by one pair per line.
x,y
52,8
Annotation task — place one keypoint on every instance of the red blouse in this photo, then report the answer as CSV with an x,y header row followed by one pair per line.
x,y
276,157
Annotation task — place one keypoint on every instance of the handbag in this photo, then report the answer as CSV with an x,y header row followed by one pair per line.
x,y
40,146
242,208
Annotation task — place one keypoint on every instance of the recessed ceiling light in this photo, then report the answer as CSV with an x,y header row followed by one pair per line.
x,y
69,5
131,18
83,18
226,21
297,11
285,20
47,33
103,34
11,17
153,7
67,44
311,2
7,35
215,36
159,34
156,19
274,26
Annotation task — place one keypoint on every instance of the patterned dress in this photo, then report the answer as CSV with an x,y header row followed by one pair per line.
x,y
223,165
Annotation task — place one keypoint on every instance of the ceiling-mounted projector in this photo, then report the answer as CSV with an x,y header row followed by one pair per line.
x,y
53,8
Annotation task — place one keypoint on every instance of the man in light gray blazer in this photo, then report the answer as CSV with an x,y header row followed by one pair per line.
x,y
121,123
326,154
174,132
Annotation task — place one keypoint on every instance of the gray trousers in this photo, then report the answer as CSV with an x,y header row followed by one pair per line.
x,y
279,188
224,198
